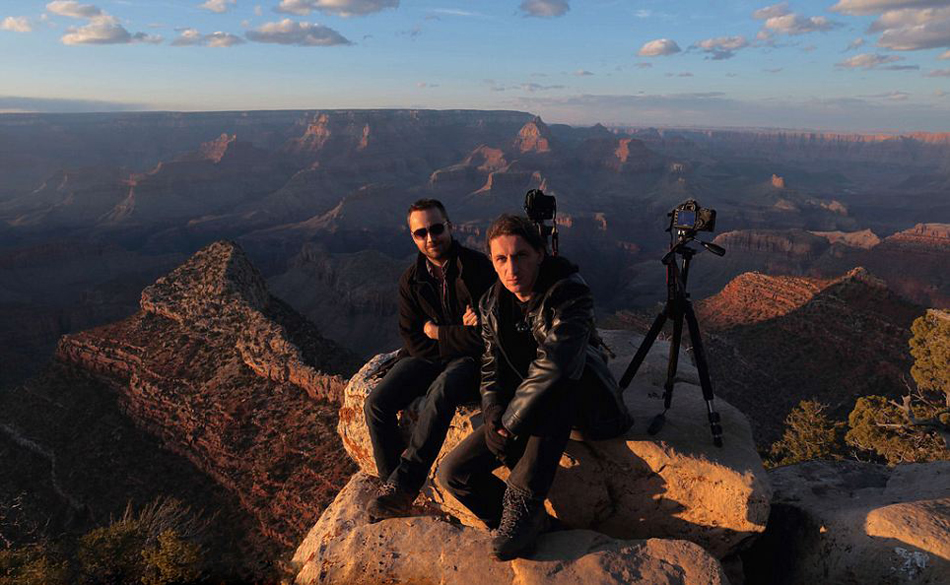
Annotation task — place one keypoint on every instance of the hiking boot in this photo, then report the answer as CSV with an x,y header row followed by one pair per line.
x,y
392,502
522,520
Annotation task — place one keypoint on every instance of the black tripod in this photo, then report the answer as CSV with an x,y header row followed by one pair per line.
x,y
678,306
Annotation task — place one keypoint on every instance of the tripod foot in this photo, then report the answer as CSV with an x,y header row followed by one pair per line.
x,y
657,424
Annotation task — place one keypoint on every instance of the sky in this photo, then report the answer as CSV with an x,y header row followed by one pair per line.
x,y
832,65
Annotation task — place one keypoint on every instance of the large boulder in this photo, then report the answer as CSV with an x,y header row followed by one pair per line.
x,y
344,548
850,522
675,484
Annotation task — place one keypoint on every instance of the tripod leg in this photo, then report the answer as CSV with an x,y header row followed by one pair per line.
x,y
703,367
643,350
674,357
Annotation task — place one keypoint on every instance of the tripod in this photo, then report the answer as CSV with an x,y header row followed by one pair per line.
x,y
677,307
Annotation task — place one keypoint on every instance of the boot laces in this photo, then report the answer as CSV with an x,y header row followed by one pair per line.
x,y
517,510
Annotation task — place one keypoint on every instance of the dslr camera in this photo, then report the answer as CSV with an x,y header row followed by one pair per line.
x,y
689,216
539,207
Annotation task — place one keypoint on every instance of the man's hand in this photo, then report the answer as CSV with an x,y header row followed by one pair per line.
x,y
496,435
470,318
431,330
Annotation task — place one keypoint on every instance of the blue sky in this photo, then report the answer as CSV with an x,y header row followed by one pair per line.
x,y
844,65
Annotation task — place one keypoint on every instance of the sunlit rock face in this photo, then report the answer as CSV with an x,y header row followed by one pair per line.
x,y
672,485
344,548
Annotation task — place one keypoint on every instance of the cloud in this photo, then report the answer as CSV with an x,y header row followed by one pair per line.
x,y
683,74
938,73
289,32
779,19
19,24
533,87
424,85
218,6
344,8
190,37
105,30
775,70
258,11
780,9
876,6
722,47
644,65
945,56
659,47
101,28
54,105
912,30
582,73
73,9
894,96
544,8
858,42
874,61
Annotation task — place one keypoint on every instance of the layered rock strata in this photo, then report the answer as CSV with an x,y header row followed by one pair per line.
x,y
344,547
235,381
672,485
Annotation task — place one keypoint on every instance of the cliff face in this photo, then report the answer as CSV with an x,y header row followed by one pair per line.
x,y
233,380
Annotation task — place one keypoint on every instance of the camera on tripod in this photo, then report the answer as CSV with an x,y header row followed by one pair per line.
x,y
689,216
541,208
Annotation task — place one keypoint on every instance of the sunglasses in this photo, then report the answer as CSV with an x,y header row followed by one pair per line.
x,y
435,229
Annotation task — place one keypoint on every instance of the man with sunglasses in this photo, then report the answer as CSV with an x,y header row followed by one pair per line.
x,y
442,344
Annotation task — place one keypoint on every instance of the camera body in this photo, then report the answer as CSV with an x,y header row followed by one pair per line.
x,y
539,207
689,216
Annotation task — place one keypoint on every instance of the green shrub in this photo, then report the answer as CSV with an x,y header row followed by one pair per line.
x,y
809,434
882,427
33,565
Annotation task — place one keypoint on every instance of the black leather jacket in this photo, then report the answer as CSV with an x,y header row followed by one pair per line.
x,y
562,322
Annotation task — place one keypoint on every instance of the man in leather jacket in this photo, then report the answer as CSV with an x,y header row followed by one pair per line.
x,y
543,371
439,330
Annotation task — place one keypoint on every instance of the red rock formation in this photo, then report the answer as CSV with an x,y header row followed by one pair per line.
x,y
535,136
232,379
774,341
934,236
778,182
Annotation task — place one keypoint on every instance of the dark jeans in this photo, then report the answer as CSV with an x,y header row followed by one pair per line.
x,y
444,388
533,458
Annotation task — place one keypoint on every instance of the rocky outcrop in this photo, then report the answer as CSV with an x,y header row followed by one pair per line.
x,y
753,297
343,548
217,292
233,380
674,485
865,239
789,242
933,236
849,522
535,136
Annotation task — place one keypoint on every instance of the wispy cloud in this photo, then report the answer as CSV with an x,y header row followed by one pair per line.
x,y
894,96
544,8
582,73
858,42
344,8
190,37
938,73
659,47
875,61
721,48
289,32
877,6
219,6
19,24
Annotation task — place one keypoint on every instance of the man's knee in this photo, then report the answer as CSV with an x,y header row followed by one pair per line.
x,y
448,475
457,384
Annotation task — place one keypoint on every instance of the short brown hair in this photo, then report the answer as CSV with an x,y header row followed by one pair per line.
x,y
515,225
423,204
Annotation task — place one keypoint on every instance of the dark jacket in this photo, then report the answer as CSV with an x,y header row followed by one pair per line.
x,y
561,318
470,273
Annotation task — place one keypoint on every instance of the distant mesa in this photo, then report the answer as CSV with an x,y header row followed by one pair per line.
x,y
778,182
865,239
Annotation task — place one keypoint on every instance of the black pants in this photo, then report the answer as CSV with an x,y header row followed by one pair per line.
x,y
444,388
533,458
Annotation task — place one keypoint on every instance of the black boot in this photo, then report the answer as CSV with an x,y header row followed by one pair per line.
x,y
392,502
522,520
